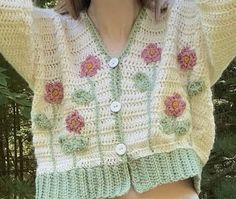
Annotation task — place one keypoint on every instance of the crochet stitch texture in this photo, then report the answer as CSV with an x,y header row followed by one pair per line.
x,y
101,124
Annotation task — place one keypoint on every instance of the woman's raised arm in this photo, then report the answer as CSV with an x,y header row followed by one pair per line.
x,y
16,36
218,18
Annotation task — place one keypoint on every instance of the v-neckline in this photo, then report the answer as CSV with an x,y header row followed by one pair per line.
x,y
100,43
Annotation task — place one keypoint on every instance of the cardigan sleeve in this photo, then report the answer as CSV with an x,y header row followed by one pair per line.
x,y
218,19
16,44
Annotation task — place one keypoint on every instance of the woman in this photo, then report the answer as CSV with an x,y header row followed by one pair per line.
x,y
122,101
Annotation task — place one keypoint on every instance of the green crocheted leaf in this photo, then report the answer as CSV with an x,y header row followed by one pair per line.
x,y
167,124
182,127
195,87
82,97
71,143
41,121
170,125
142,82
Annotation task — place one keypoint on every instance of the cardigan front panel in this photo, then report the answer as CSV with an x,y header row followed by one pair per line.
x,y
142,123
142,110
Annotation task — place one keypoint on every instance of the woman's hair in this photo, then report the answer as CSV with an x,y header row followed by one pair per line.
x,y
74,7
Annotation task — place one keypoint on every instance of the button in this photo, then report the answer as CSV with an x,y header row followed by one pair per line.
x,y
120,149
113,62
115,106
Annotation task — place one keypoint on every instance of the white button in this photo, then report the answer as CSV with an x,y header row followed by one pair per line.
x,y
120,149
113,62
115,106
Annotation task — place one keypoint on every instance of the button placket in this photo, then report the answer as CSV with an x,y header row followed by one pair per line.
x,y
120,148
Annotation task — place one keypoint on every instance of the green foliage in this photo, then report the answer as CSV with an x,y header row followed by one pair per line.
x,y
7,94
3,77
46,3
225,189
226,145
9,188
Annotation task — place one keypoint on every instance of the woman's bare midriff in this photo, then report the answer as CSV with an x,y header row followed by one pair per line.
x,y
176,190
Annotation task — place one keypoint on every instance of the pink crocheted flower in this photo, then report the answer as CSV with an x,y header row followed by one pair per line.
x,y
187,58
74,122
54,92
90,66
175,105
151,53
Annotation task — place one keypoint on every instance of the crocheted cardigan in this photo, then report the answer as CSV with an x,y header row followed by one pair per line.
x,y
102,124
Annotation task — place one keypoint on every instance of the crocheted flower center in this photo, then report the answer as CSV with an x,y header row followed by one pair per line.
x,y
73,122
89,66
55,92
152,52
175,104
186,59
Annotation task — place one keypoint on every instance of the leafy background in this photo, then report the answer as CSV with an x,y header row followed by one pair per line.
x,y
17,160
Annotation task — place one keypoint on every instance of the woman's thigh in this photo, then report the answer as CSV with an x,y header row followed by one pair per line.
x,y
177,190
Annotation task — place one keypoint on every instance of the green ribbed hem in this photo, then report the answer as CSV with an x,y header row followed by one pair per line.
x,y
161,168
115,180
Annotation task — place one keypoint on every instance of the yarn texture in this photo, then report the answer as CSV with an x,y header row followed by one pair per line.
x,y
102,124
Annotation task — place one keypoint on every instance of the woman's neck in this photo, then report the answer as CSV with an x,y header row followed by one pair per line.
x,y
114,18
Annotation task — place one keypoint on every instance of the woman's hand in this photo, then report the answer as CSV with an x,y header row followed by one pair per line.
x,y
157,6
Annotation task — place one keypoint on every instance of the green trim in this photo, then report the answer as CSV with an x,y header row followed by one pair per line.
x,y
116,92
97,116
115,180
163,168
116,77
99,42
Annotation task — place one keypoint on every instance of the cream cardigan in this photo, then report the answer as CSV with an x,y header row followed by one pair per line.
x,y
101,124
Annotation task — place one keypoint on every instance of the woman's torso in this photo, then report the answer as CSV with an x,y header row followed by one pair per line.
x,y
176,190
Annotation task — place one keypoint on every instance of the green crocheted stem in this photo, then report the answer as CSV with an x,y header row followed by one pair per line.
x,y
116,180
55,110
144,84
97,117
149,96
41,121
